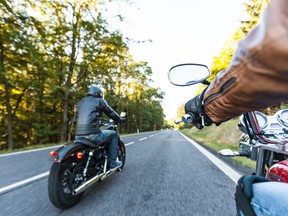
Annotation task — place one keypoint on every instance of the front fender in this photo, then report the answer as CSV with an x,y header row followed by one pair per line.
x,y
65,151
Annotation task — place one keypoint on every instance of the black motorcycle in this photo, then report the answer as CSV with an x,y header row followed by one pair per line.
x,y
79,165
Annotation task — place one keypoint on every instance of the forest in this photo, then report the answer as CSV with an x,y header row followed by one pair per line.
x,y
51,51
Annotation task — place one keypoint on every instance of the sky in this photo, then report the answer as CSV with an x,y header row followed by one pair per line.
x,y
181,31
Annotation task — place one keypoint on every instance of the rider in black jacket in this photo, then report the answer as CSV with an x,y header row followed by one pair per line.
x,y
89,114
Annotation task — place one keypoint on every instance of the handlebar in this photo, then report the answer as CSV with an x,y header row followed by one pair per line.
x,y
187,118
178,121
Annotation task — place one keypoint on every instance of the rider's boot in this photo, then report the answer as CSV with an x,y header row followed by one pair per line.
x,y
113,164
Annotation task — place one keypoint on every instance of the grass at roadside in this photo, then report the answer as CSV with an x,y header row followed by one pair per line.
x,y
222,137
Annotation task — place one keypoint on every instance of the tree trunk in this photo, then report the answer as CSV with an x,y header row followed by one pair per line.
x,y
7,98
72,125
69,81
65,117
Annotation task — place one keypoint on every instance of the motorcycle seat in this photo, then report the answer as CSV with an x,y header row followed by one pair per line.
x,y
86,141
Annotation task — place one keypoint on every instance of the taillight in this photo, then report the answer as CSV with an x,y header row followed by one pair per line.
x,y
54,154
79,155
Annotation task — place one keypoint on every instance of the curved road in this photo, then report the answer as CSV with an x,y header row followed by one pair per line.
x,y
165,174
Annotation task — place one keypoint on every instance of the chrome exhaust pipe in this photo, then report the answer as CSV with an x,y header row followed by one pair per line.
x,y
108,173
90,182
87,184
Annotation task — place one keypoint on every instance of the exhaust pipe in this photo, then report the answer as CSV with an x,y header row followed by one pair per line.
x,y
90,182
87,184
108,173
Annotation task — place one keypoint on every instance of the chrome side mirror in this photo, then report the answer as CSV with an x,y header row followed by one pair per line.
x,y
188,74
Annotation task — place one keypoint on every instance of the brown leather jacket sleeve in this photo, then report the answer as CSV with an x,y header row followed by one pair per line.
x,y
257,76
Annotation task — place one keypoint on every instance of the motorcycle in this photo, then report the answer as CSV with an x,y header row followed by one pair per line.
x,y
78,166
263,138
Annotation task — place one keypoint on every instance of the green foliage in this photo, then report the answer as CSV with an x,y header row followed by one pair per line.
x,y
51,51
253,10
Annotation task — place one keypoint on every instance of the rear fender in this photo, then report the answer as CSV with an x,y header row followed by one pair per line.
x,y
65,151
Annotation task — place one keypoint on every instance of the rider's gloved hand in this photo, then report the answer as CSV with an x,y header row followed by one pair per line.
x,y
122,119
194,108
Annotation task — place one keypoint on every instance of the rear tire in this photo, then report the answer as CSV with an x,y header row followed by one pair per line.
x,y
61,183
121,153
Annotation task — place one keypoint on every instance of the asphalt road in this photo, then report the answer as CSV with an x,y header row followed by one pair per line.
x,y
164,174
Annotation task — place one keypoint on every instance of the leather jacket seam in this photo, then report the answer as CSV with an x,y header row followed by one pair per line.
x,y
223,89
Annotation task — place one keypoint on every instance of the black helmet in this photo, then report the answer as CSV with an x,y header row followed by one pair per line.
x,y
95,92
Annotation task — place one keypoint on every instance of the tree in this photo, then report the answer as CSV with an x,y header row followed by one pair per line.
x,y
50,52
17,46
253,9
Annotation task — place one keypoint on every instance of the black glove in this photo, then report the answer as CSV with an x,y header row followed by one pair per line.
x,y
194,108
122,119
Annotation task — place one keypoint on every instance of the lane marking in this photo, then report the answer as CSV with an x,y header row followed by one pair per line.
x,y
231,173
24,182
129,143
143,139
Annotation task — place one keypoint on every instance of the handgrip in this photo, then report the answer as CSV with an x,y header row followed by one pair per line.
x,y
187,118
178,121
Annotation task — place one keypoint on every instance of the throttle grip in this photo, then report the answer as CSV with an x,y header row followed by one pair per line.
x,y
188,118
178,121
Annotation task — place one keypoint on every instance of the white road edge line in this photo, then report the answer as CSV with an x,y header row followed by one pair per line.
x,y
34,178
27,151
231,173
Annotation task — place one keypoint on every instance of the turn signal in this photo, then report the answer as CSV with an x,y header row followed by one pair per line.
x,y
79,155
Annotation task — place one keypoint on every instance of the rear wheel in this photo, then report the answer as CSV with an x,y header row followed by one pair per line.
x,y
121,153
64,177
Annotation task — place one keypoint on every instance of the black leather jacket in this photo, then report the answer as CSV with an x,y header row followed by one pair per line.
x,y
89,113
